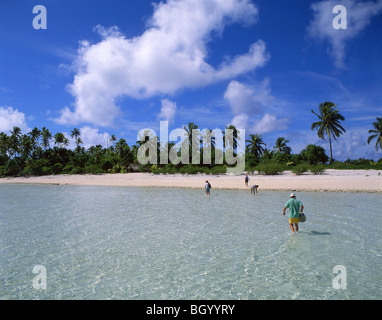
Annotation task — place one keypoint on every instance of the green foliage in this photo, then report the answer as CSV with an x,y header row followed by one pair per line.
x,y
93,169
57,168
318,169
78,170
270,168
41,153
314,154
154,169
361,164
116,169
282,157
222,169
68,169
300,168
169,168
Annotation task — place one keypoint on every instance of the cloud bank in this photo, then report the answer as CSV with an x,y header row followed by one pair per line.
x,y
251,105
169,56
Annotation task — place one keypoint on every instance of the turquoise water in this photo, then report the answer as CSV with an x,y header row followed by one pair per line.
x,y
158,243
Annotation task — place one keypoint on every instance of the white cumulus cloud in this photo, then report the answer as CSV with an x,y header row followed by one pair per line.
x,y
170,55
92,137
167,111
10,118
251,105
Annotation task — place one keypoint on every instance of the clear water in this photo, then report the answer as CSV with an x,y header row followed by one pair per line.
x,y
158,243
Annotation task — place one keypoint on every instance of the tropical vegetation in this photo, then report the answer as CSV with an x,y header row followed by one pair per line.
x,y
40,152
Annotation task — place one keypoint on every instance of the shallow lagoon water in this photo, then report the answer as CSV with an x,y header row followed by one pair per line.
x,y
164,243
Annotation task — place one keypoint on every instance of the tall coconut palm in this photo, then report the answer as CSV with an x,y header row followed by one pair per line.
x,y
4,143
236,137
26,145
76,134
191,137
60,139
281,146
376,134
46,136
329,123
255,145
112,139
14,140
34,136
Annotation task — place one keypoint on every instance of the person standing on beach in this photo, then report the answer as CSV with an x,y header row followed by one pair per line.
x,y
246,180
295,208
207,187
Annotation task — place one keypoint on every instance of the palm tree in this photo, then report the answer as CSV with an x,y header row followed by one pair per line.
x,y
14,140
46,136
26,145
14,145
329,123
267,154
377,134
236,138
191,126
4,143
59,139
112,139
35,135
281,146
76,134
255,145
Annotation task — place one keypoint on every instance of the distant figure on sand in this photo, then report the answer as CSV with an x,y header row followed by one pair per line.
x,y
295,208
207,188
254,189
246,180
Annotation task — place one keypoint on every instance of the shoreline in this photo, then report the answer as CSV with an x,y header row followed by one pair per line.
x,y
331,181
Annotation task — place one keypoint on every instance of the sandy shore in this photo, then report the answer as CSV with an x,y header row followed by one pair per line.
x,y
331,180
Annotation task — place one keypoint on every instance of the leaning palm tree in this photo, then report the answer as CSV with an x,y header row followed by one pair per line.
x,y
255,145
377,134
329,123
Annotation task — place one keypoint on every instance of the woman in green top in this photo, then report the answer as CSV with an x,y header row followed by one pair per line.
x,y
295,208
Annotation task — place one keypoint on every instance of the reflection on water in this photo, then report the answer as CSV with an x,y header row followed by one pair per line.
x,y
158,243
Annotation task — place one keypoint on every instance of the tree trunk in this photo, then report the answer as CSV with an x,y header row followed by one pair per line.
x,y
330,145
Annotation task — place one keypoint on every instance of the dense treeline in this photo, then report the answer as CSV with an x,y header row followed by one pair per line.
x,y
39,152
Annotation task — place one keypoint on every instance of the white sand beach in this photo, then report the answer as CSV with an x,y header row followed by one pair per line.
x,y
331,180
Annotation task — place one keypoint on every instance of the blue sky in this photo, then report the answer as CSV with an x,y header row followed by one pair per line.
x,y
116,67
